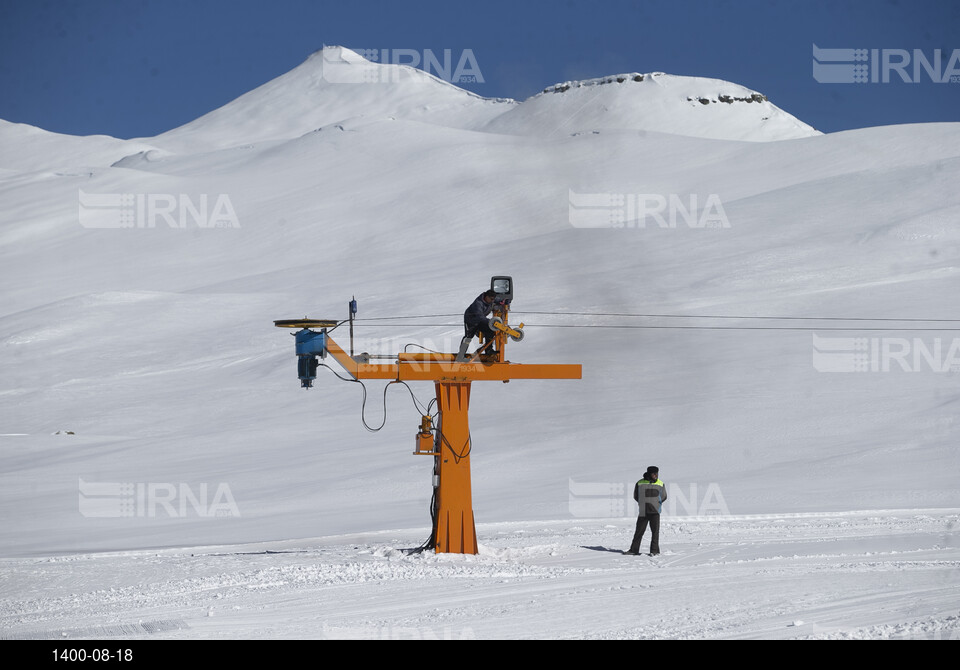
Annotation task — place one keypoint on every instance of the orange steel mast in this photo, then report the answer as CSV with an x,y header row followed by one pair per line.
x,y
454,526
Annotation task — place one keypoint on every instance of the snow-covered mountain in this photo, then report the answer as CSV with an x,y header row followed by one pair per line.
x,y
336,85
313,95
142,277
333,85
658,102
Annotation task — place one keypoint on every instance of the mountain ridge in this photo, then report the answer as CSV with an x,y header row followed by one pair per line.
x,y
335,84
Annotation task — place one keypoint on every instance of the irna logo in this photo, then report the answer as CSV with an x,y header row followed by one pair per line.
x,y
153,499
882,66
153,210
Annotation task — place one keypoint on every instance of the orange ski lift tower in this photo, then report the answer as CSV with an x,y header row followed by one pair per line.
x,y
447,439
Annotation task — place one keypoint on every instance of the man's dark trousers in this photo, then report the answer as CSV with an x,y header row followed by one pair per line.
x,y
654,521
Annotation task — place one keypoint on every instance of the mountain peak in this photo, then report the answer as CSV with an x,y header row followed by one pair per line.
x,y
656,102
337,52
736,93
332,85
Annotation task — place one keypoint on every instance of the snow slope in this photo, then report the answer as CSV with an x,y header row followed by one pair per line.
x,y
147,356
28,149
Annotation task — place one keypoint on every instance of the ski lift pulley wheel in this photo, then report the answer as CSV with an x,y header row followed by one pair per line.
x,y
515,334
305,323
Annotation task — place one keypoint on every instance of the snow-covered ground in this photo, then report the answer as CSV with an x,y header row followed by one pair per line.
x,y
883,574
163,475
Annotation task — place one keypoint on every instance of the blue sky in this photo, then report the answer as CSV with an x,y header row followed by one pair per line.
x,y
136,68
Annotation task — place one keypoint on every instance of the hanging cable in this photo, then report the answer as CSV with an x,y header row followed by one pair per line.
x,y
421,409
431,541
424,411
464,451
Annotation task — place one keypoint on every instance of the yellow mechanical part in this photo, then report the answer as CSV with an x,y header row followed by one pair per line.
x,y
425,437
515,334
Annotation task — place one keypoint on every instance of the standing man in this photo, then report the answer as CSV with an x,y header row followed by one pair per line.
x,y
475,321
650,493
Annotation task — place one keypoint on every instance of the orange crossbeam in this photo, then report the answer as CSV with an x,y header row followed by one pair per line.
x,y
436,367
427,371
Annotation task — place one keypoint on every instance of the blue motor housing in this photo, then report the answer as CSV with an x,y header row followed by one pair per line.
x,y
310,344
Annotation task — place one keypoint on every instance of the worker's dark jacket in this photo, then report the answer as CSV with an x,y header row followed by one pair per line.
x,y
476,313
650,495
475,319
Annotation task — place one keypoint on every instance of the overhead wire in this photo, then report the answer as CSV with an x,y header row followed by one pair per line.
x,y
708,317
412,316
682,316
673,327
744,317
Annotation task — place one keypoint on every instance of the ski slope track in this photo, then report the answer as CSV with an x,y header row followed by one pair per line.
x,y
698,250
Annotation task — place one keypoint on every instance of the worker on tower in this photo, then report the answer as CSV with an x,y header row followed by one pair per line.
x,y
475,322
650,493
